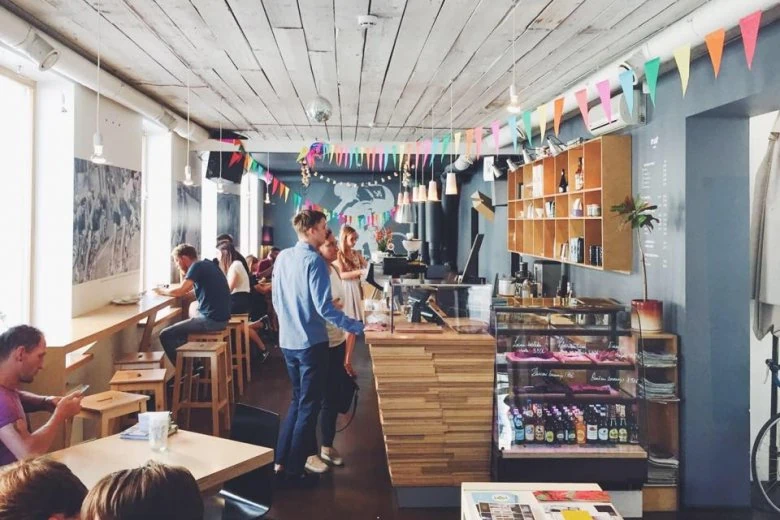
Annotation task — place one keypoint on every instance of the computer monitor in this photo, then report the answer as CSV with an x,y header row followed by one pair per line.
x,y
470,274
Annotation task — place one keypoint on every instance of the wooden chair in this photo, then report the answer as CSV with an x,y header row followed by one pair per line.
x,y
223,336
216,355
149,380
239,335
105,408
140,361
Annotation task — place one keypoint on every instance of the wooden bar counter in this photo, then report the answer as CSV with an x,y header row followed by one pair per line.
x,y
435,394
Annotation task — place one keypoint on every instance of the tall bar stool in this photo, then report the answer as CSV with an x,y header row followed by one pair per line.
x,y
105,407
239,335
220,336
149,380
140,361
216,355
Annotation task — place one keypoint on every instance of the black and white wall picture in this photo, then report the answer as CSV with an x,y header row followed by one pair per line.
x,y
107,221
229,216
186,216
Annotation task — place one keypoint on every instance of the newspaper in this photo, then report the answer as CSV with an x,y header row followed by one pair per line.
x,y
508,505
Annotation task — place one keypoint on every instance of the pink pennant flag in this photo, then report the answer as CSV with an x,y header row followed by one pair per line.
x,y
605,95
582,101
426,145
268,177
748,26
478,139
495,128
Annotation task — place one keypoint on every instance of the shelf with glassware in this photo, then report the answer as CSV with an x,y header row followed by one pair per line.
x,y
558,207
566,393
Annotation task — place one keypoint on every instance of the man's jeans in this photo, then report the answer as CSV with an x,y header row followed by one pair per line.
x,y
298,437
175,336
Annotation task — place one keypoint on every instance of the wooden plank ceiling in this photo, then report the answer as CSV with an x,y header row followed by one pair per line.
x,y
253,65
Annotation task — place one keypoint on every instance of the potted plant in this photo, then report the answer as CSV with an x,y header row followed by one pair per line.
x,y
646,314
384,243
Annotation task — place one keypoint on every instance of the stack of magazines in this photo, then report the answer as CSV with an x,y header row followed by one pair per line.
x,y
657,391
656,360
141,433
662,469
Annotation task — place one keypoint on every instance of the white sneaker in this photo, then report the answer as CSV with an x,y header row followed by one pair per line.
x,y
315,465
331,455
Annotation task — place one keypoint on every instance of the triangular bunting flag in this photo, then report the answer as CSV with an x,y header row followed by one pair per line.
x,y
495,128
582,100
395,156
682,56
606,97
301,154
651,74
434,144
286,192
426,148
557,114
512,122
527,127
715,41
542,111
445,145
417,151
748,26
478,140
469,138
275,186
627,84
234,159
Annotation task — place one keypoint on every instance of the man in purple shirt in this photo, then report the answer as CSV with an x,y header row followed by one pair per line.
x,y
22,350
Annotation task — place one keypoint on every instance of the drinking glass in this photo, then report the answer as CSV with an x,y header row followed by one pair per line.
x,y
158,431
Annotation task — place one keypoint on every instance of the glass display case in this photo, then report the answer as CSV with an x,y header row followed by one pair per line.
x,y
410,306
566,393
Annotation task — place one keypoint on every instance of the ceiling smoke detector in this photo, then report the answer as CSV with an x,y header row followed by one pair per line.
x,y
367,20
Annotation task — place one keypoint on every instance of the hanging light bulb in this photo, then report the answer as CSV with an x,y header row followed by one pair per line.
x,y
188,176
514,100
432,194
451,185
267,184
97,138
220,186
267,195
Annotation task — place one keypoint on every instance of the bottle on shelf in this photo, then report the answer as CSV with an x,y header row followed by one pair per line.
x,y
613,426
591,427
579,176
549,429
581,430
529,424
633,432
518,427
603,429
539,434
563,184
623,427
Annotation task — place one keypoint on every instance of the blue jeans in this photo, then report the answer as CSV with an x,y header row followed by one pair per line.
x,y
298,437
330,412
175,336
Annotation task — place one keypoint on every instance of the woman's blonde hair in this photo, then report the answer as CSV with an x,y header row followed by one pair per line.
x,y
348,258
152,491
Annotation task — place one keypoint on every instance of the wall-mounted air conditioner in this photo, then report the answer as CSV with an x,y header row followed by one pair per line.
x,y
621,117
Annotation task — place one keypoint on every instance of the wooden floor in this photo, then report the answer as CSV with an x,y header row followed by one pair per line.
x,y
361,489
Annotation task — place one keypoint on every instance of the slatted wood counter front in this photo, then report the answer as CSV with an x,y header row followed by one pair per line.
x,y
435,396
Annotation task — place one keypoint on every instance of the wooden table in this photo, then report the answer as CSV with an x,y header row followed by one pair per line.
x,y
212,460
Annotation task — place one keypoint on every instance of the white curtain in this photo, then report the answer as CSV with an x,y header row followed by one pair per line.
x,y
765,240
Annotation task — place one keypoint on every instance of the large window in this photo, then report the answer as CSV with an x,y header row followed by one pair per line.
x,y
16,149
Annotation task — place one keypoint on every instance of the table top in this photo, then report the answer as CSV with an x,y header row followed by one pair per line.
x,y
101,323
212,460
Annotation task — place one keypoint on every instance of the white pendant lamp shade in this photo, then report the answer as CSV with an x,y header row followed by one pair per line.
x,y
514,101
220,187
267,195
400,198
433,195
451,187
97,149
405,214
422,194
188,176
406,198
414,194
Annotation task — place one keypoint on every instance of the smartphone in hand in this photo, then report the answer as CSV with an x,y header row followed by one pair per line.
x,y
81,389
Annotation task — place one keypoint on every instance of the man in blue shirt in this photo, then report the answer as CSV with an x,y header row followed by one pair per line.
x,y
300,288
212,292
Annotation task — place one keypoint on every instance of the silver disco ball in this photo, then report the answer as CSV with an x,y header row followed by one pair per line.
x,y
319,109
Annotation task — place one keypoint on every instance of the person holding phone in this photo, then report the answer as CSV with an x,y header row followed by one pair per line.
x,y
22,350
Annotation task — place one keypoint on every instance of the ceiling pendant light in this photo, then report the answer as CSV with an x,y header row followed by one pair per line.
x,y
406,198
97,138
267,187
514,100
451,187
432,195
188,169
220,187
422,193
400,198
414,187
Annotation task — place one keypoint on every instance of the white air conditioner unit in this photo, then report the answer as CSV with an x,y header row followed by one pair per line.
x,y
621,117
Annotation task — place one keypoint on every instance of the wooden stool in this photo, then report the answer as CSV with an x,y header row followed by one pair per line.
x,y
149,380
222,336
239,336
219,367
105,406
140,361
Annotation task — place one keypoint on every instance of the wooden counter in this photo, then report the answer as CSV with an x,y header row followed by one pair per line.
x,y
435,396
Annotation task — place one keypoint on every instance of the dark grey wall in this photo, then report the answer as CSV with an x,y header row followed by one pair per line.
x,y
339,198
695,168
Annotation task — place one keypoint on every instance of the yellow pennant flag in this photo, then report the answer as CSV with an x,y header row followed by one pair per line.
x,y
682,55
469,138
302,154
286,192
542,121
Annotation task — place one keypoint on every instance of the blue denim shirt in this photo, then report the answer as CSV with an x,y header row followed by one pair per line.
x,y
300,289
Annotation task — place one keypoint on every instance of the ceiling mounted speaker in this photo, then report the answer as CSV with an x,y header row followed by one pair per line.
x,y
319,109
483,204
40,51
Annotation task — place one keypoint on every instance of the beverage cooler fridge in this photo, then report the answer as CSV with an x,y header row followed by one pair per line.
x,y
566,407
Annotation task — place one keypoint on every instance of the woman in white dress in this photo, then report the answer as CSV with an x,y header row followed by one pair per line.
x,y
237,278
350,264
